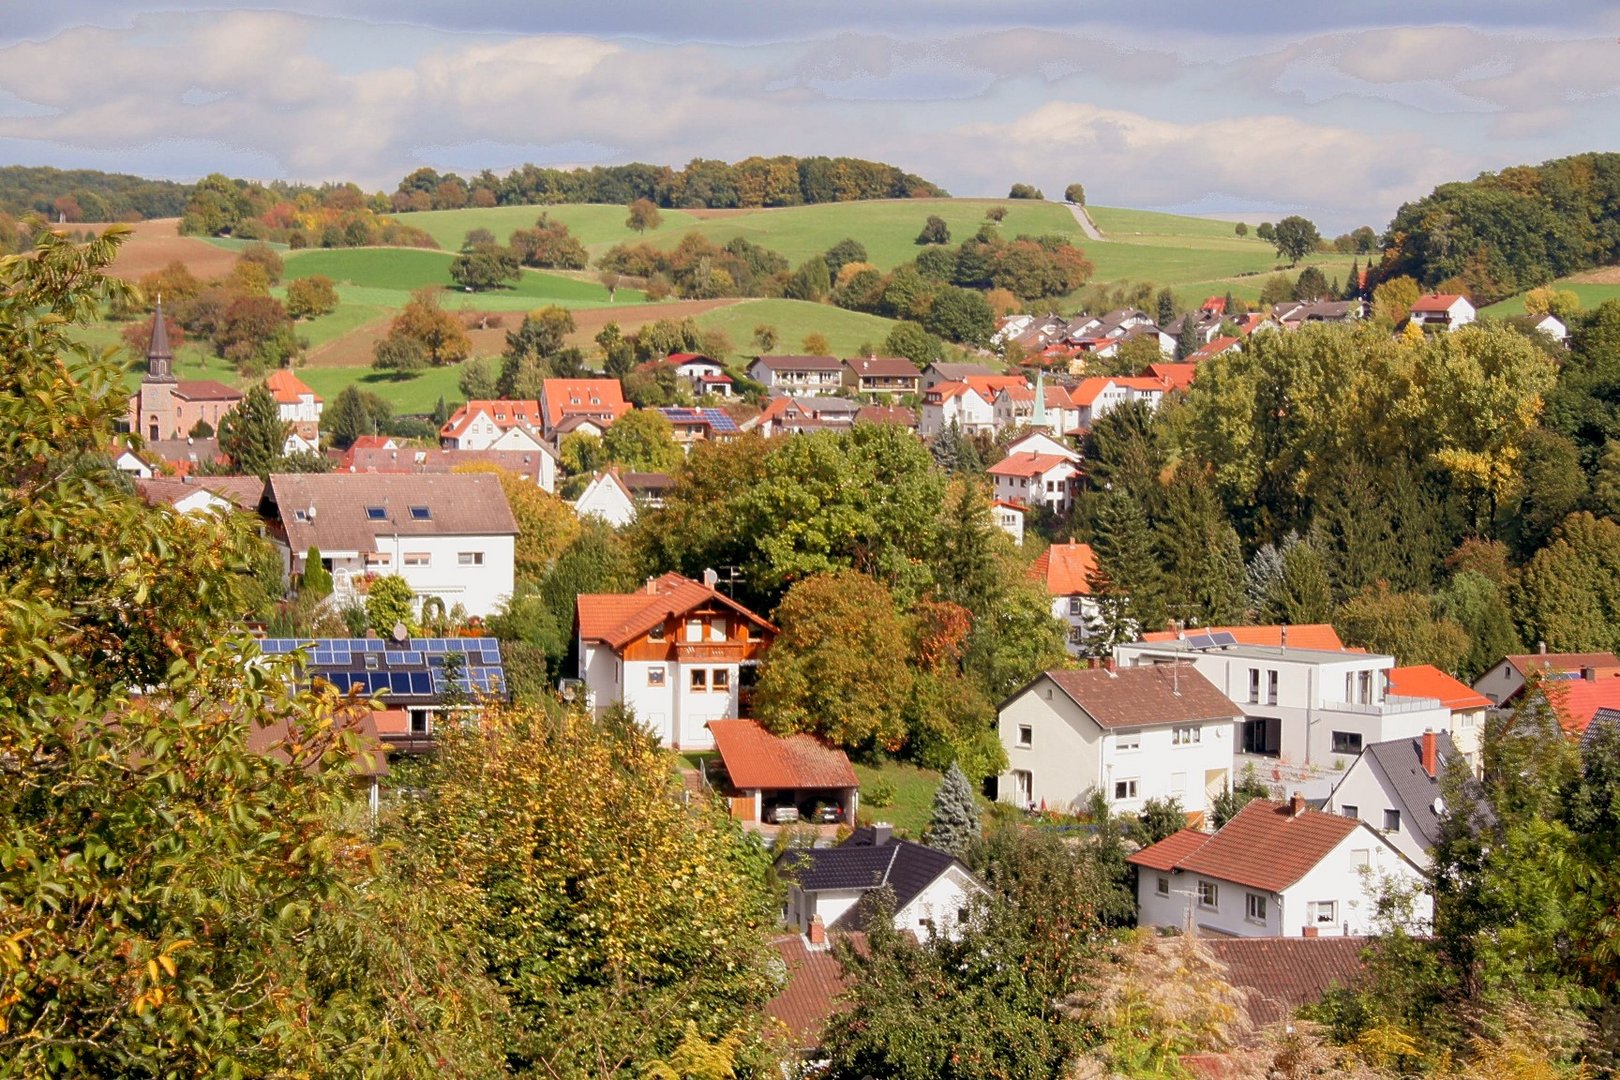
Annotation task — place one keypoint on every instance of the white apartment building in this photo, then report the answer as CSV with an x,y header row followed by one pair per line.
x,y
798,374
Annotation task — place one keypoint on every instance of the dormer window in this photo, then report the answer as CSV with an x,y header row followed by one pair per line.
x,y
421,513
376,513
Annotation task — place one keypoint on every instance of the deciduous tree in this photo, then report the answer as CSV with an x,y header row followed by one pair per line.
x,y
643,215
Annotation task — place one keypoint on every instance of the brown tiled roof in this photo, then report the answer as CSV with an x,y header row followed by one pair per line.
x,y
1133,697
615,619
1265,846
1171,850
1283,974
407,459
814,983
887,414
161,490
1524,663
799,363
206,390
893,367
757,759
1434,302
370,760
459,504
1065,569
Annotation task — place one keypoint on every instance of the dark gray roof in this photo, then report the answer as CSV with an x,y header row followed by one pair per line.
x,y
1601,719
905,867
1415,791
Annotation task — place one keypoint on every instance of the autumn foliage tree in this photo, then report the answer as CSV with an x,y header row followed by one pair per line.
x,y
434,331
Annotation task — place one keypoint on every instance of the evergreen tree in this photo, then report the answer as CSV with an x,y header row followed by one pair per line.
x,y
1202,556
1230,307
317,579
955,452
1188,341
441,412
1303,593
1354,528
253,435
1352,284
969,572
1262,577
1167,306
1129,584
954,824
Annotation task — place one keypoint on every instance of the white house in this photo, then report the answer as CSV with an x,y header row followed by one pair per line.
x,y
1553,327
1442,311
600,401
1096,397
956,403
1035,480
1467,705
449,535
298,406
1307,713
798,374
943,372
1009,518
1395,787
1016,406
607,498
1065,571
678,653
1041,442
702,374
183,497
933,892
481,425
1506,678
1133,734
1275,870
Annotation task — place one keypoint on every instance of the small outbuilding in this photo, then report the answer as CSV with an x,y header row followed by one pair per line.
x,y
770,778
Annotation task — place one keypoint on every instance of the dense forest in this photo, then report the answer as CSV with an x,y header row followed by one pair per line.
x,y
752,182
87,194
1505,232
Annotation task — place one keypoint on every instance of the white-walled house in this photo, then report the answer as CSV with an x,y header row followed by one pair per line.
x,y
298,406
1442,311
1133,733
1041,442
1275,870
1009,518
1466,705
933,892
1553,327
1307,713
511,424
1395,788
955,403
607,498
798,374
678,653
1064,571
449,535
1035,480
1507,677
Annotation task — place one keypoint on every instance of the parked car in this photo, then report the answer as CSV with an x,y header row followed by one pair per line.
x,y
829,813
785,815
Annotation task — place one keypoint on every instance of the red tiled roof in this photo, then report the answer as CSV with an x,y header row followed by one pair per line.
x,y
1284,974
287,388
987,385
1066,569
814,982
757,759
1436,302
1214,348
1577,700
1026,464
1428,681
1174,376
1265,846
1304,636
1151,694
503,413
1603,663
591,397
616,619
1171,850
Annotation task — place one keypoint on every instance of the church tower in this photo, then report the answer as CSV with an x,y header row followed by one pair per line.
x,y
154,404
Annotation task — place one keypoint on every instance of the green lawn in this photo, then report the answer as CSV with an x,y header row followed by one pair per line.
x,y
846,331
591,224
913,796
1591,296
417,394
385,278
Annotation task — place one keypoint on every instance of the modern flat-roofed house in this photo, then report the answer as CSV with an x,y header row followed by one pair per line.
x,y
1275,870
1134,734
1307,713
798,374
883,376
450,536
1442,312
677,653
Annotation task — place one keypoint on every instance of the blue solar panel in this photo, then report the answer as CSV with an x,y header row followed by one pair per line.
x,y
400,682
1222,637
421,683
1198,641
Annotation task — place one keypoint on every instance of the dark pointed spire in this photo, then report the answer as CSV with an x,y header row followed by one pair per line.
x,y
159,360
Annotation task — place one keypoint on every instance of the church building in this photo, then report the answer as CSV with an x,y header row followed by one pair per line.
x,y
168,408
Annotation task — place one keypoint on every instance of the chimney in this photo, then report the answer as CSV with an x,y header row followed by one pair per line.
x,y
1310,931
817,934
1430,754
882,833
652,586
1541,648
1285,635
1108,665
1296,804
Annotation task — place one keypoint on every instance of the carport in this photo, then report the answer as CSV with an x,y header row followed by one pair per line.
x,y
764,772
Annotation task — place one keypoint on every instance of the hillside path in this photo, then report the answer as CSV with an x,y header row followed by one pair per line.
x,y
1087,226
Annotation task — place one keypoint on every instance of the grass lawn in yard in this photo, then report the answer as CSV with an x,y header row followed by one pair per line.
x,y
913,801
1592,294
846,331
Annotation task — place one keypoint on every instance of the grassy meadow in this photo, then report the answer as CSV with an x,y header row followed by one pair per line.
x,y
1591,294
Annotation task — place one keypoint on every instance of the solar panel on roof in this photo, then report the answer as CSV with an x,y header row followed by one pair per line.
x,y
399,682
1223,637
421,683
1199,641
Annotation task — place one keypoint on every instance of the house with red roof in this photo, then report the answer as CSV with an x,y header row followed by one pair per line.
x,y
775,778
1098,396
1036,480
1009,518
1506,678
1276,869
1015,407
1065,571
164,407
959,404
676,652
1174,376
1133,734
702,374
1043,442
600,401
1215,347
1467,705
300,407
495,424
1442,312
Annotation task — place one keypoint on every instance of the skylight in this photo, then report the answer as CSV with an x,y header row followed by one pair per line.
x,y
421,513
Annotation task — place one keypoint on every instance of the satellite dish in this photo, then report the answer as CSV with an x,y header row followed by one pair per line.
x,y
401,632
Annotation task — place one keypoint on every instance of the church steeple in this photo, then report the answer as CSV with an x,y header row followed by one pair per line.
x,y
159,360
1038,418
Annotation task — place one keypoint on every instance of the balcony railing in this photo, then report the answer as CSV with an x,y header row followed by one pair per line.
x,y
720,651
1393,704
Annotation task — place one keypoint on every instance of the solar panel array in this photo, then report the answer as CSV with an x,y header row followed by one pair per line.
x,y
718,420
1209,641
412,668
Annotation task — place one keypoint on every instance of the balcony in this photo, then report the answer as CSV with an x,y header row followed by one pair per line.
x,y
1392,705
713,652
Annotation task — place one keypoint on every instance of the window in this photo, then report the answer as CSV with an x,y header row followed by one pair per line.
x,y
1209,895
717,628
1074,605
1254,908
1271,688
1262,735
655,676
1162,886
1026,735
421,513
754,632
470,558
1322,911
1347,742
1392,821
700,679
419,721
298,515
721,680
1129,742
1124,789
1187,736
418,558
1254,685
1352,812
376,513
1362,857
1077,634
656,633
694,630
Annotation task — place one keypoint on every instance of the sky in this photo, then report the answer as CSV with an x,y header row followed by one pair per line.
x,y
1338,111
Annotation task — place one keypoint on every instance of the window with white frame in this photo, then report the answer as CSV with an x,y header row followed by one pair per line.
x,y
1271,688
1254,908
1254,685
1026,735
1132,741
1162,886
1075,606
418,558
1392,821
1187,736
1320,912
470,558
1125,789
1209,895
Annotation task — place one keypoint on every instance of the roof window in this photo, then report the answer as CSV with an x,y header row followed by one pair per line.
x,y
421,513
376,513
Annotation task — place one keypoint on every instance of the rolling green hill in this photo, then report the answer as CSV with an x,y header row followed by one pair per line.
x,y
1591,293
846,331
385,277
